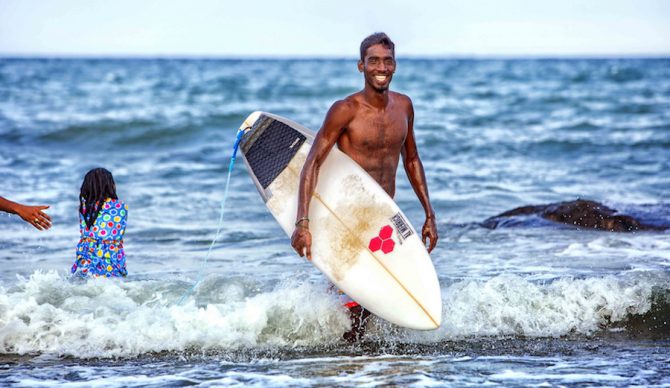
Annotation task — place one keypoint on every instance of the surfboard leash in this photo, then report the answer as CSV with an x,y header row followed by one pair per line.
x,y
201,273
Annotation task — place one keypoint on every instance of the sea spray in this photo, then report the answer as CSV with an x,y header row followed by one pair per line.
x,y
101,318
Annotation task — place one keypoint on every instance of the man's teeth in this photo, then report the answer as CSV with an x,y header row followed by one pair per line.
x,y
380,77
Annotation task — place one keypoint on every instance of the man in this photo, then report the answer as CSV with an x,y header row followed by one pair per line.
x,y
30,214
373,127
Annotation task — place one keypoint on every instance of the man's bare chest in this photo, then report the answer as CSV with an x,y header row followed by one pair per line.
x,y
378,132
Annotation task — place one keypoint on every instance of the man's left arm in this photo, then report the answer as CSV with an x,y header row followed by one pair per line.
x,y
417,178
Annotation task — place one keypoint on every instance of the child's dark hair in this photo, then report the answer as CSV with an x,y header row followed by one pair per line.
x,y
98,185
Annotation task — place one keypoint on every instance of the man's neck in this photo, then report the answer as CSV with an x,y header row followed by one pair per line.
x,y
376,98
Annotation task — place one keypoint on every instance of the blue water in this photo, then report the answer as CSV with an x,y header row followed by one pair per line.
x,y
524,305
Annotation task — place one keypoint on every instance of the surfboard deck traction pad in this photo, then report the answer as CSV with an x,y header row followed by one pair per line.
x,y
269,147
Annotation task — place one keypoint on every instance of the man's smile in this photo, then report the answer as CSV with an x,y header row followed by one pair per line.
x,y
381,78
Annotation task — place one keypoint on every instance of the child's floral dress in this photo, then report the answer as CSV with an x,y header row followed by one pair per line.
x,y
100,249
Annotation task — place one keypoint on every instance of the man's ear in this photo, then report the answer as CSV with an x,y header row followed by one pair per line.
x,y
360,66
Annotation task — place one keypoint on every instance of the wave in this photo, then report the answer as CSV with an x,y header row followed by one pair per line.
x,y
142,131
103,318
510,305
49,313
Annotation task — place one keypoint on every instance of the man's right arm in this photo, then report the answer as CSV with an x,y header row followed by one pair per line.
x,y
337,119
30,214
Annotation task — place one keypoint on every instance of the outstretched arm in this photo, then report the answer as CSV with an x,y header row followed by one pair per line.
x,y
417,178
30,214
336,120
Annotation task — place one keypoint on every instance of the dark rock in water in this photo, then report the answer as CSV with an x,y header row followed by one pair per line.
x,y
580,213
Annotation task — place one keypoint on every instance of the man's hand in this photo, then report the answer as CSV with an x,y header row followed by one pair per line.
x,y
429,231
34,216
302,241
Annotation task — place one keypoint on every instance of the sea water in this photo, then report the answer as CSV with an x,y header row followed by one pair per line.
x,y
528,304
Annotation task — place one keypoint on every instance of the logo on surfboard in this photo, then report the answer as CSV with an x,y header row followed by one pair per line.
x,y
402,226
383,241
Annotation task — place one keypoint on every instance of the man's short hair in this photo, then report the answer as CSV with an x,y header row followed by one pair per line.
x,y
377,38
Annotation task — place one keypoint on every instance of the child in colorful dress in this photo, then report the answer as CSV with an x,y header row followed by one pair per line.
x,y
102,223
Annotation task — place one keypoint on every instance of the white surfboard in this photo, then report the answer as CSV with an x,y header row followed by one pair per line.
x,y
361,240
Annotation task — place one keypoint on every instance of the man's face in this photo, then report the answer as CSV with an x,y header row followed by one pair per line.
x,y
378,67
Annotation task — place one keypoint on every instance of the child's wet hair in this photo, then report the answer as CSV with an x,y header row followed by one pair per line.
x,y
97,186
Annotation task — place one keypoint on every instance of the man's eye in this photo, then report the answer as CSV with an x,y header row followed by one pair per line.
x,y
373,60
389,62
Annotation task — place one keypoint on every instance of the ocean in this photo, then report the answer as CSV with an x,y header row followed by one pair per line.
x,y
529,303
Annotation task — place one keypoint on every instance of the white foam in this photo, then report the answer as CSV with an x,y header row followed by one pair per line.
x,y
103,318
510,305
568,377
47,313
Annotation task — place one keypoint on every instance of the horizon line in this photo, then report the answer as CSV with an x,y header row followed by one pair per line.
x,y
10,55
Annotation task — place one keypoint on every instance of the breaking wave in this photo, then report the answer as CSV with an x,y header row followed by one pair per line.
x,y
50,313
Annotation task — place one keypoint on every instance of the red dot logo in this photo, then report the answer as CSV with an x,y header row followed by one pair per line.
x,y
388,245
385,232
375,244
383,240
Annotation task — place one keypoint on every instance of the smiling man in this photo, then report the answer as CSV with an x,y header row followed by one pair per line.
x,y
374,127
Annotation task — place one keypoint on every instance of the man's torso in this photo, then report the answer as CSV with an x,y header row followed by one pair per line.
x,y
374,138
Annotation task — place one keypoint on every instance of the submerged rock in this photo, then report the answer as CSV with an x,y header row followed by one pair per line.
x,y
580,213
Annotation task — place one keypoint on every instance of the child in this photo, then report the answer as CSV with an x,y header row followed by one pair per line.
x,y
102,223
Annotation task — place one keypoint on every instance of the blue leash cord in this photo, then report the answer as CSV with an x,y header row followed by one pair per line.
x,y
201,274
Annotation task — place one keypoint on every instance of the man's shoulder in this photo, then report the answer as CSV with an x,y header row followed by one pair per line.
x,y
401,98
352,101
345,107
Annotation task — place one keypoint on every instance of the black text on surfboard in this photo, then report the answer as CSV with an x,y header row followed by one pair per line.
x,y
401,226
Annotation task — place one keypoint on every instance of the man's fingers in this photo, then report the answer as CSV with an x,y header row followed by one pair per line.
x,y
430,238
45,223
42,220
433,242
308,252
37,224
304,251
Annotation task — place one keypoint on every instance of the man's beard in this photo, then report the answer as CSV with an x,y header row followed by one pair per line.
x,y
379,89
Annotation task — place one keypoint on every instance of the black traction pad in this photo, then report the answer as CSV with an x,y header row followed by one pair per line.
x,y
269,147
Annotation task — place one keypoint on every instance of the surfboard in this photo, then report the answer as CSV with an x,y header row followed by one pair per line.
x,y
361,240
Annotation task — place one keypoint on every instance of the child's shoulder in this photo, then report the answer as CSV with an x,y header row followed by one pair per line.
x,y
115,204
